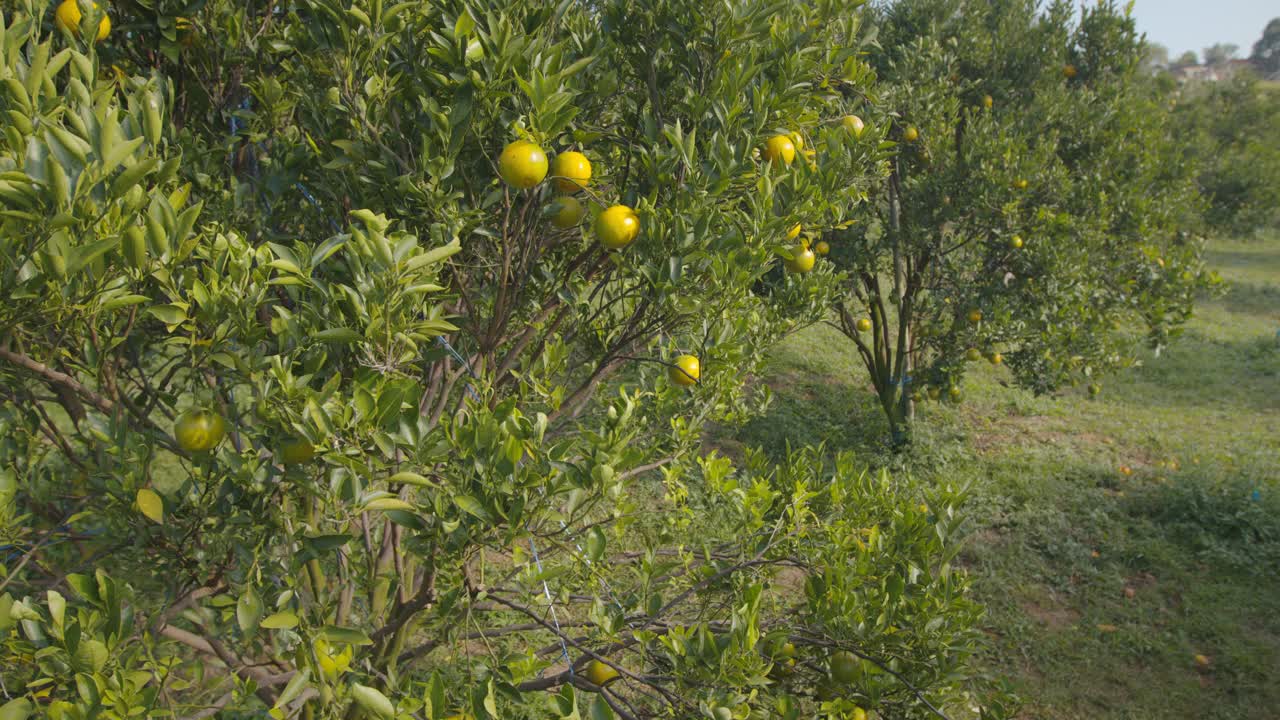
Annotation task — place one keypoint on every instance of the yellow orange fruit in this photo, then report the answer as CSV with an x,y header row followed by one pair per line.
x,y
1069,71
801,260
975,316
987,101
617,227
571,170
68,15
821,247
1015,242
779,150
853,124
685,372
599,673
522,164
864,324
911,134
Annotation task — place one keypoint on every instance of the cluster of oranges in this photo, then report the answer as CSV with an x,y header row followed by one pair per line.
x,y
200,430
780,151
523,165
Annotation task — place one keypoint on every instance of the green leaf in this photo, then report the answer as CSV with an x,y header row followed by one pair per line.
x,y
151,505
87,689
279,620
373,701
57,607
249,611
119,154
86,254
297,684
6,605
434,255
464,24
435,698
338,335
409,478
472,506
131,176
19,709
389,503
169,314
600,709
124,301
346,636
595,544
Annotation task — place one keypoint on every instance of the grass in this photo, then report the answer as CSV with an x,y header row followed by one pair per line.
x,y
1102,587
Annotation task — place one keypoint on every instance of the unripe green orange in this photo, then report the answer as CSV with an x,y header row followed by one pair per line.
x,y
199,430
845,667
297,452
567,212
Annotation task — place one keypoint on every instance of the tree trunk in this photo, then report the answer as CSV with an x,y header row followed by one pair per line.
x,y
900,409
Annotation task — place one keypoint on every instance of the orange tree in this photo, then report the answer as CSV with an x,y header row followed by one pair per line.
x,y
334,384
1036,212
1223,126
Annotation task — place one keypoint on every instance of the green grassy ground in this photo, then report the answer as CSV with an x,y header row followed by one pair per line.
x,y
1101,586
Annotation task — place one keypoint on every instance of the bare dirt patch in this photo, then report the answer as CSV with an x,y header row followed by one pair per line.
x,y
1052,616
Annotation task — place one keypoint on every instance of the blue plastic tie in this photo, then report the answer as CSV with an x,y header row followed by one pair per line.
x,y
551,605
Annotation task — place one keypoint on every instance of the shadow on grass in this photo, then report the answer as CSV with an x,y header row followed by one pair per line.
x,y
1260,257
1253,299
807,410
1199,372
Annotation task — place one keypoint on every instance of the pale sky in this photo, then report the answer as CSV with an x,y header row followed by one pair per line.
x,y
1182,25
